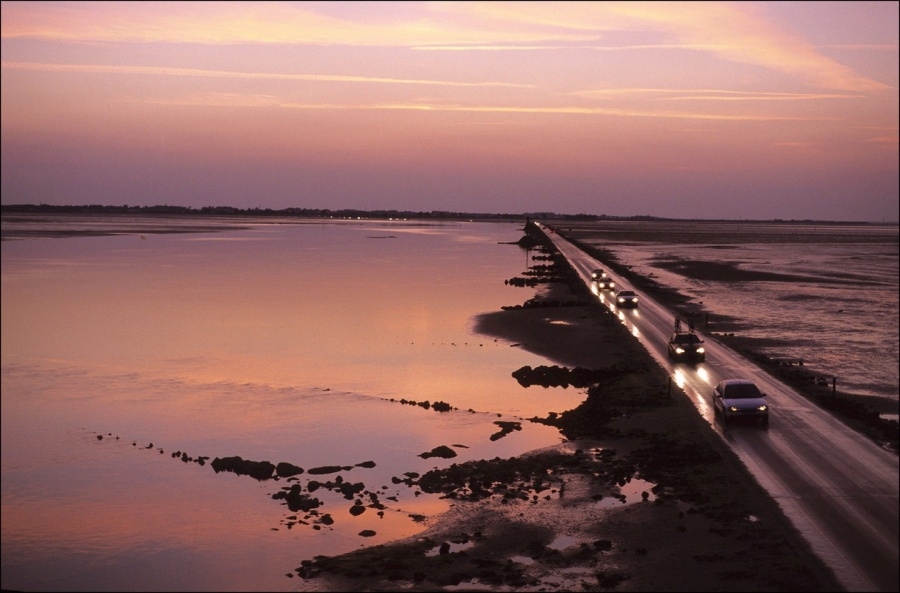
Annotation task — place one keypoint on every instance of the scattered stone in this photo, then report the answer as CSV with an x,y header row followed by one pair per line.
x,y
297,500
505,429
286,470
442,451
325,469
261,470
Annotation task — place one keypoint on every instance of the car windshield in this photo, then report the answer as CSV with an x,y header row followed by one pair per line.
x,y
686,339
742,391
626,293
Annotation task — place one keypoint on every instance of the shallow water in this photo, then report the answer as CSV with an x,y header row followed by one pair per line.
x,y
839,313
281,343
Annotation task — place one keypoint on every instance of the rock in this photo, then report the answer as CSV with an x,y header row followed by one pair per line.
x,y
326,469
286,470
297,500
442,451
261,470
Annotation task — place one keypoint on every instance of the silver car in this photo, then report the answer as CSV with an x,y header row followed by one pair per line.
x,y
740,398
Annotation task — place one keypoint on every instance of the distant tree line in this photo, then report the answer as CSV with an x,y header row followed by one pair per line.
x,y
367,214
291,212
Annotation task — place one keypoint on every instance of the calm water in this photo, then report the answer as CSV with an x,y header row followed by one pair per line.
x,y
283,342
286,342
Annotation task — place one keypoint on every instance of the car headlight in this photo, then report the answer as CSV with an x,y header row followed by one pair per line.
x,y
679,350
700,350
762,408
733,408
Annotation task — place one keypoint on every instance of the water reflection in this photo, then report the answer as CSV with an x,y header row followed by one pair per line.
x,y
306,344
704,375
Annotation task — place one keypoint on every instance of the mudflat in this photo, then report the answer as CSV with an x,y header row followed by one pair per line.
x,y
565,518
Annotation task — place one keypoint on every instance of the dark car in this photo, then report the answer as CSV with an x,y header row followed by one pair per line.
x,y
686,346
598,274
740,398
605,283
626,299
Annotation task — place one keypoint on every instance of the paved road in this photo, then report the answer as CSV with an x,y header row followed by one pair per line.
x,y
838,487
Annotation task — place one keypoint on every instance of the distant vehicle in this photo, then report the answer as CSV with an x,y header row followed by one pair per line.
x,y
606,283
686,346
626,299
740,398
598,274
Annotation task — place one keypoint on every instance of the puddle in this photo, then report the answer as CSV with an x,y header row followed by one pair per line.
x,y
562,542
636,490
451,548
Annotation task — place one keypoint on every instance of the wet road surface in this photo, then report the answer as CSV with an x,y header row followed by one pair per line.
x,y
839,489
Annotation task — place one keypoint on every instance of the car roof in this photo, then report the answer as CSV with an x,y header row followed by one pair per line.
x,y
626,292
736,381
685,337
740,389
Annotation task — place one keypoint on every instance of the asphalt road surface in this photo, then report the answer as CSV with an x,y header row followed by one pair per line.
x,y
838,488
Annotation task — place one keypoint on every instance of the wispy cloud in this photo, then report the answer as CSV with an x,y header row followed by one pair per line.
x,y
542,47
796,144
863,46
257,23
732,31
258,101
710,95
885,139
200,73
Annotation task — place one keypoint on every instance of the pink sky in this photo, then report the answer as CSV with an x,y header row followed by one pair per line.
x,y
754,110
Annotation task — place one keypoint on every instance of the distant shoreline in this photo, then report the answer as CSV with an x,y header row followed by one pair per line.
x,y
169,210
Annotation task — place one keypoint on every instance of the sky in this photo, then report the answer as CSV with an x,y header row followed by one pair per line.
x,y
731,110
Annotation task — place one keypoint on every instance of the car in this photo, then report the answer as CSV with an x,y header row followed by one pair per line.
x,y
605,283
686,346
598,274
626,298
740,398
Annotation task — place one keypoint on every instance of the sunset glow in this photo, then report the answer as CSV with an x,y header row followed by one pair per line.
x,y
753,110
